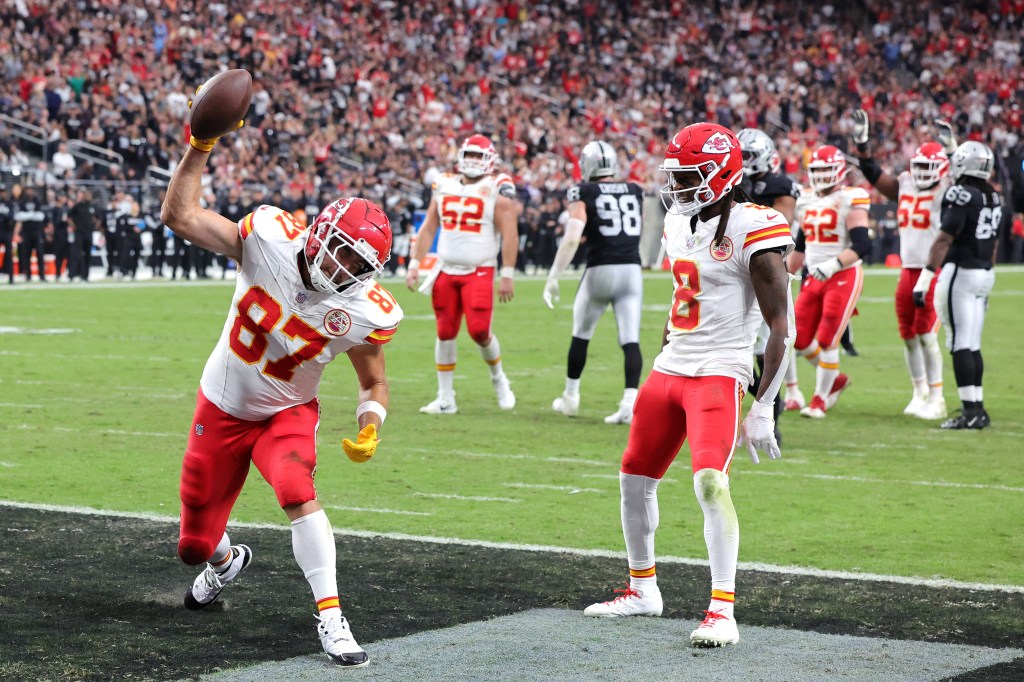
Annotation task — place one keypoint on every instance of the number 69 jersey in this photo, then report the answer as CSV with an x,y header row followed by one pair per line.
x,y
614,221
467,238
279,335
714,318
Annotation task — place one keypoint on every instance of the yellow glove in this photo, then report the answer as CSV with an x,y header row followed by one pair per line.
x,y
364,447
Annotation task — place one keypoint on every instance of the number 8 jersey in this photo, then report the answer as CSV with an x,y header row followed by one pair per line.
x,y
714,318
279,335
467,238
614,221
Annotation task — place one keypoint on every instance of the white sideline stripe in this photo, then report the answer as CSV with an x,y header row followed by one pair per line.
x,y
467,498
597,553
863,479
377,511
571,489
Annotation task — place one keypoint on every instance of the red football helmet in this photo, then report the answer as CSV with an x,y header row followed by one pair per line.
x,y
710,154
929,164
483,159
352,237
827,168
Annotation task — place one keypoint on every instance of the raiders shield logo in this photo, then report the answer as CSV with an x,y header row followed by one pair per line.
x,y
723,251
337,322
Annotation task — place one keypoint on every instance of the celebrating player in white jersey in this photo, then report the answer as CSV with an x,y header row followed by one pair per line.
x,y
918,192
473,207
303,297
833,238
726,256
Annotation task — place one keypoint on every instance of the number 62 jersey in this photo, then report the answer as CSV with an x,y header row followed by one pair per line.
x,y
279,336
714,317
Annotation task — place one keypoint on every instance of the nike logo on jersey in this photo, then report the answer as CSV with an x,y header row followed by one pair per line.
x,y
773,217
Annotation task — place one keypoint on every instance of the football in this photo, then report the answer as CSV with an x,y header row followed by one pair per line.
x,y
220,104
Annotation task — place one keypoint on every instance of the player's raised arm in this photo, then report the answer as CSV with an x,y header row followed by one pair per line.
x,y
182,212
885,183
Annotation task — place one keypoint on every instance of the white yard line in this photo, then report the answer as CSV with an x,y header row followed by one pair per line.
x,y
601,553
374,510
571,489
888,481
466,498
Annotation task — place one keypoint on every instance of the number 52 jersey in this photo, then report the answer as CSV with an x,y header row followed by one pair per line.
x,y
279,336
714,317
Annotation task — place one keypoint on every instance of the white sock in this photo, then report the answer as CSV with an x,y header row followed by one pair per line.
x,y
313,546
721,534
445,353
629,395
572,386
913,354
639,508
812,353
966,394
828,370
492,356
222,554
979,394
792,383
932,364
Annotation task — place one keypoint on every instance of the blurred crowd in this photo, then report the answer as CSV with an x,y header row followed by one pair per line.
x,y
374,98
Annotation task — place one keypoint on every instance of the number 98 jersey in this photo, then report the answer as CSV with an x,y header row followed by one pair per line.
x,y
279,336
614,221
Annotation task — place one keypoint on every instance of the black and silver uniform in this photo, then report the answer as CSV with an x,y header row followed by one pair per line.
x,y
614,221
765,189
972,214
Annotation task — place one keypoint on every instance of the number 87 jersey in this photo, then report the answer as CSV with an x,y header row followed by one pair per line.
x,y
279,336
614,221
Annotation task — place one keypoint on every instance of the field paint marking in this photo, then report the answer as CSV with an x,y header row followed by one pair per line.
x,y
496,455
377,511
116,432
467,498
942,583
132,358
23,405
29,330
8,465
571,489
863,479
615,477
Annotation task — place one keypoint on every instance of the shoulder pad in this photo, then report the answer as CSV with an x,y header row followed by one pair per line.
x,y
271,223
573,194
858,197
381,312
957,195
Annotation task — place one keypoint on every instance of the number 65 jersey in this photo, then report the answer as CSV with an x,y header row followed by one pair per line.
x,y
714,318
279,335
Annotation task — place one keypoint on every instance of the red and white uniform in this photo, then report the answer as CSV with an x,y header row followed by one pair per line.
x,y
699,377
823,309
919,219
467,245
279,336
467,238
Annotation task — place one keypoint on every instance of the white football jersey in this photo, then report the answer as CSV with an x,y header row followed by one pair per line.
x,y
823,221
279,335
714,317
919,218
468,238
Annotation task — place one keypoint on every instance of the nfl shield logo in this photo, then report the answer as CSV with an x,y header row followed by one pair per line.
x,y
199,429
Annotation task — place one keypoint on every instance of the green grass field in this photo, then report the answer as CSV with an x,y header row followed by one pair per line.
x,y
98,417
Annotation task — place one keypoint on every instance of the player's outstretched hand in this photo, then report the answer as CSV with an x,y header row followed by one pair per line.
x,y
758,432
412,278
551,292
861,126
946,136
823,271
506,289
365,445
921,287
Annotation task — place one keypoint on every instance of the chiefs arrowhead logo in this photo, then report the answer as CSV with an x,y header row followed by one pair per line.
x,y
717,144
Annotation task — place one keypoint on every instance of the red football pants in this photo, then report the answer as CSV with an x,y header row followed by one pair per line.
x,y
823,309
472,295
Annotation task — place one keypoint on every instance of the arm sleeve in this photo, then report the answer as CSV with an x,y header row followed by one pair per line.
x,y
860,241
870,169
801,243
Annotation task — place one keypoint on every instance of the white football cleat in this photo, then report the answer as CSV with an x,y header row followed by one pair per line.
x,y
794,400
566,404
933,409
816,410
624,415
716,630
630,602
442,404
506,398
208,584
841,383
338,642
916,404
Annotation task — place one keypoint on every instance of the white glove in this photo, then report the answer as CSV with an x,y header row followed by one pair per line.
x,y
861,126
921,287
946,136
551,292
823,271
758,431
